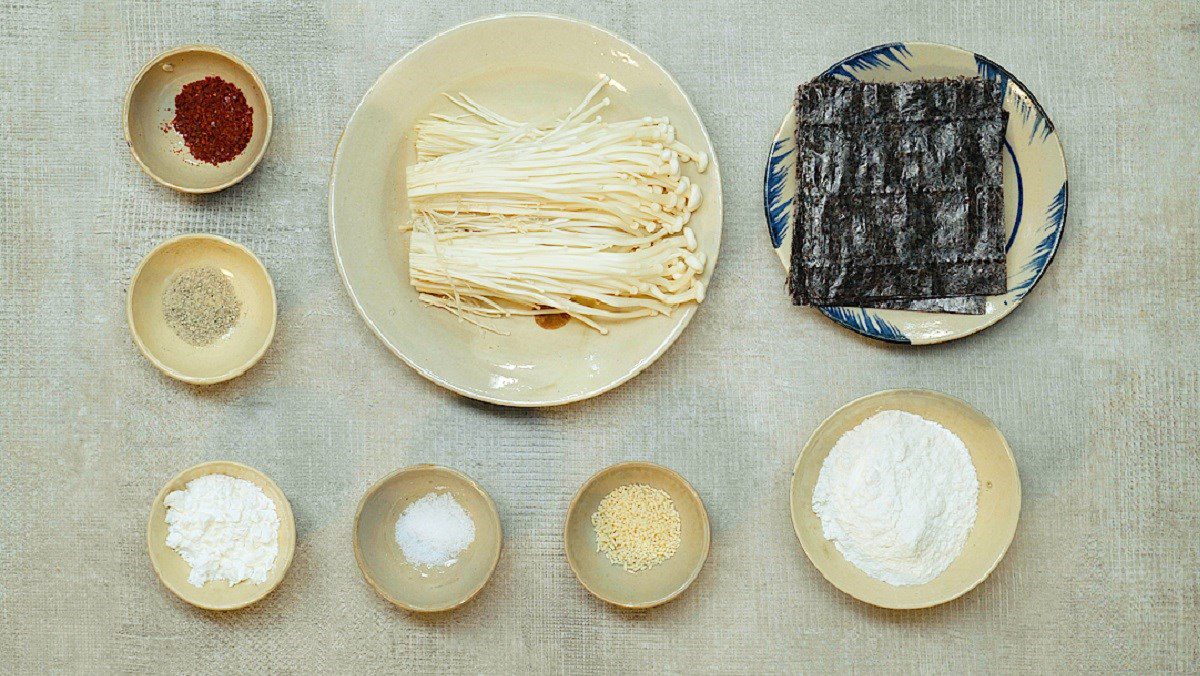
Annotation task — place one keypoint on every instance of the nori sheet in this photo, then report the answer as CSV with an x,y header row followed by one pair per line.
x,y
899,194
959,305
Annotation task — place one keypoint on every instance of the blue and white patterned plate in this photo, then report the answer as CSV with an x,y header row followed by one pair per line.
x,y
1035,188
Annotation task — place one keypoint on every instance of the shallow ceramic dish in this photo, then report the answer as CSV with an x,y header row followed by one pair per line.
x,y
612,583
424,589
1035,188
995,523
523,66
227,357
174,571
150,107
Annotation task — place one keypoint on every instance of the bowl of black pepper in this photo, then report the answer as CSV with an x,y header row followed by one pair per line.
x,y
201,308
197,119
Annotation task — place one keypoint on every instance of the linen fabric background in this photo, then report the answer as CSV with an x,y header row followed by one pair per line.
x,y
1094,379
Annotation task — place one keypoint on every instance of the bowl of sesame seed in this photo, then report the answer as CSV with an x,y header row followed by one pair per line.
x,y
636,535
201,308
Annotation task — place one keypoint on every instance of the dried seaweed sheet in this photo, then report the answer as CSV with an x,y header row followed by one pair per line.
x,y
959,305
899,194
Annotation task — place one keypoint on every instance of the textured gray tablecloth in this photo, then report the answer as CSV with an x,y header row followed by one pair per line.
x,y
1094,380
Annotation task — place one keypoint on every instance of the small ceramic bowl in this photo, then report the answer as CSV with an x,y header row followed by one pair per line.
x,y
150,108
227,357
424,589
612,583
995,522
215,595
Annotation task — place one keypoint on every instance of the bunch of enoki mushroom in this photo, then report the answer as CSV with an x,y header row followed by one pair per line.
x,y
582,217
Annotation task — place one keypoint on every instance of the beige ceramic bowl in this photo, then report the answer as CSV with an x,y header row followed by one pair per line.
x,y
227,357
612,583
526,67
419,588
995,523
150,107
174,571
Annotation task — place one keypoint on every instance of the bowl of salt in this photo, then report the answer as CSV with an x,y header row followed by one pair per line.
x,y
427,538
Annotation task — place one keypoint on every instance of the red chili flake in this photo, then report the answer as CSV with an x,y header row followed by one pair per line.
x,y
214,119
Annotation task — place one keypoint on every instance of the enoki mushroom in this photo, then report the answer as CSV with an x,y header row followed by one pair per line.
x,y
582,217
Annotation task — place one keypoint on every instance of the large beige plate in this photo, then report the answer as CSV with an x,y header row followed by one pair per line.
x,y
995,521
525,66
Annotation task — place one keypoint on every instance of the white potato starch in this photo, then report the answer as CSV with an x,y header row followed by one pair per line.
x,y
897,497
225,528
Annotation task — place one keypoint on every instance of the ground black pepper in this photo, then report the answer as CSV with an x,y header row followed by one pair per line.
x,y
214,119
200,305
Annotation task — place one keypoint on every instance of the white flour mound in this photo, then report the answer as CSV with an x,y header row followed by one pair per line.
x,y
225,528
897,497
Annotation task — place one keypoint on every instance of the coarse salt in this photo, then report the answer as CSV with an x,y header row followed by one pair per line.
x,y
434,530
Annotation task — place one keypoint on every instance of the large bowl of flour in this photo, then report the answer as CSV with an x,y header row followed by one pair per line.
x,y
906,498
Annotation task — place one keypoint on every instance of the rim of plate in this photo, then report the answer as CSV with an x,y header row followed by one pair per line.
x,y
686,313
988,319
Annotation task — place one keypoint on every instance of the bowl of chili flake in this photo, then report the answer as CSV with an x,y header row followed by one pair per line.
x,y
197,119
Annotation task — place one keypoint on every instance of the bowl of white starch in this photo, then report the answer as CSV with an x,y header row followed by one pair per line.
x,y
221,535
906,498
